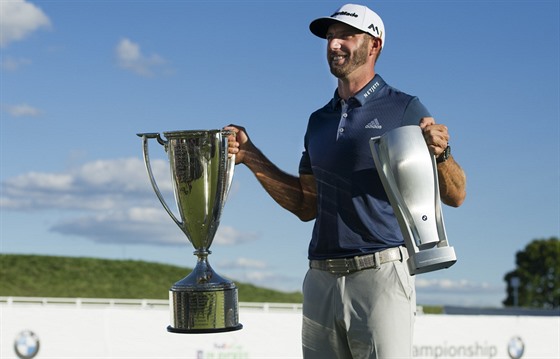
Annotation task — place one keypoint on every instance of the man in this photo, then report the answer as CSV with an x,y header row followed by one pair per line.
x,y
366,313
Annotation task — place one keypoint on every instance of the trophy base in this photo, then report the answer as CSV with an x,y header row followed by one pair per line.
x,y
430,260
200,311
170,329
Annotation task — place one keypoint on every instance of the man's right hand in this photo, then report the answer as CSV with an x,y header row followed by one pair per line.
x,y
238,143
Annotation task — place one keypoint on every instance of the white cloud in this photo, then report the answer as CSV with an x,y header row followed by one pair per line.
x,y
130,57
230,236
127,51
23,110
108,201
458,286
263,277
10,63
244,263
461,292
18,19
259,272
97,185
135,225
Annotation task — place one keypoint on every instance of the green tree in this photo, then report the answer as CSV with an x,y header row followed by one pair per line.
x,y
536,280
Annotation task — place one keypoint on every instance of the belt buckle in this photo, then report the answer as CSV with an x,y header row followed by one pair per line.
x,y
367,261
337,266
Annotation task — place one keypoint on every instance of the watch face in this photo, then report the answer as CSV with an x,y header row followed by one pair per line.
x,y
444,155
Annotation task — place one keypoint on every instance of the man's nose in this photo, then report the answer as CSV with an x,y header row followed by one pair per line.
x,y
334,43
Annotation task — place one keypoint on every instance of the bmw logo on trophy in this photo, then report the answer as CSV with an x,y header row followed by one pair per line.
x,y
409,175
201,173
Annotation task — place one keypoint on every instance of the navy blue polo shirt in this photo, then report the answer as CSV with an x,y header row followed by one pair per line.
x,y
354,216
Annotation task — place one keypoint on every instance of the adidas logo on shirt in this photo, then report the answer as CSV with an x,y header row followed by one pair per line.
x,y
374,124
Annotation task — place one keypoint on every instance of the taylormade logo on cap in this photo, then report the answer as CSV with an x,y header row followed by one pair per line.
x,y
357,16
344,13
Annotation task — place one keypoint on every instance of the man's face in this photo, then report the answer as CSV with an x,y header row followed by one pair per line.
x,y
347,49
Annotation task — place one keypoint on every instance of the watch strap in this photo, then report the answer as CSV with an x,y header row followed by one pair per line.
x,y
444,156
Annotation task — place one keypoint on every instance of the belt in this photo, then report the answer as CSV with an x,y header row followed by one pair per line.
x,y
354,264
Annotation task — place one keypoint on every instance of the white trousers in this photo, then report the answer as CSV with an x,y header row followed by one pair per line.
x,y
367,314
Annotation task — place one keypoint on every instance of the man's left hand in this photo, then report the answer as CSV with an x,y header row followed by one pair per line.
x,y
436,135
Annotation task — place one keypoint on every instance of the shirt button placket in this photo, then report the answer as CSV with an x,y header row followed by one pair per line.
x,y
342,122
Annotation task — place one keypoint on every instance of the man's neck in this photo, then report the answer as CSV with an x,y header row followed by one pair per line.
x,y
351,85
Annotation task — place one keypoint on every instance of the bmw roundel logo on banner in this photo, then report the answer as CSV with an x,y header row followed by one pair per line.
x,y
26,344
516,348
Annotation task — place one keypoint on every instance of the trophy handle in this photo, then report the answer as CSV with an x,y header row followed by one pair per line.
x,y
438,210
145,137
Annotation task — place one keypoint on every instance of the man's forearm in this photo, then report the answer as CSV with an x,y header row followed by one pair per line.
x,y
285,189
452,182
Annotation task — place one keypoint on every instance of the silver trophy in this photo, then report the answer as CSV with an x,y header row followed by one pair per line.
x,y
201,173
409,175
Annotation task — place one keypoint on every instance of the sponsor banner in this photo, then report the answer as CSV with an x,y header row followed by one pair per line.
x,y
75,331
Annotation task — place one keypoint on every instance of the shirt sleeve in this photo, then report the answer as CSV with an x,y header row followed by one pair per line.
x,y
305,164
414,112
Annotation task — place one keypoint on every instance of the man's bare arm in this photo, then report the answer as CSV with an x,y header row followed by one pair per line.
x,y
451,177
296,194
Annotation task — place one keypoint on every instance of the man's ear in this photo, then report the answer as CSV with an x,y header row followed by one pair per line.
x,y
375,45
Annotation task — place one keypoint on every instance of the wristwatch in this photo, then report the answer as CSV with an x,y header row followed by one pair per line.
x,y
444,156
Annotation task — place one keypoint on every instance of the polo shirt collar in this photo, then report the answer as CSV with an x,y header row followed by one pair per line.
x,y
368,93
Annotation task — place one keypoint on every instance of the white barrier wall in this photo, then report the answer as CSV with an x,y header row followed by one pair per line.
x,y
138,330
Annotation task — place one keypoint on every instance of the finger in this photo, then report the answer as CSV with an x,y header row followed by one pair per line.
x,y
426,121
435,133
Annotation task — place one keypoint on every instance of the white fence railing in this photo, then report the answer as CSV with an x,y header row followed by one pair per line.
x,y
143,303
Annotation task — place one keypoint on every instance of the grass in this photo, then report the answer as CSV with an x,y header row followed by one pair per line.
x,y
67,277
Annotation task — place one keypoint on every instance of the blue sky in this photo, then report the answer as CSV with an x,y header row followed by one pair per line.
x,y
79,79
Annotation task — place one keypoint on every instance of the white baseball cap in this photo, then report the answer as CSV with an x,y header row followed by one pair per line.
x,y
357,16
